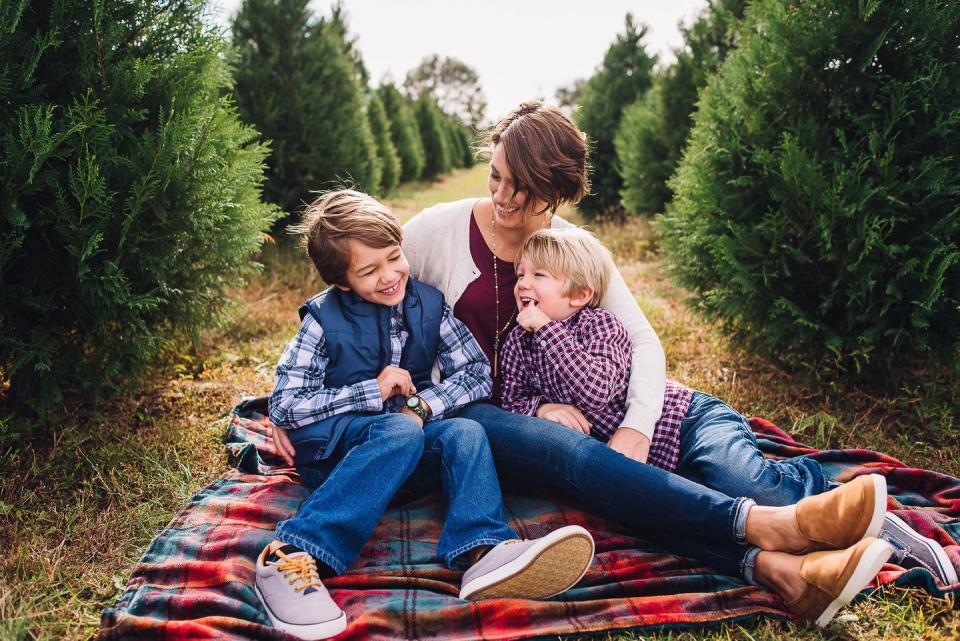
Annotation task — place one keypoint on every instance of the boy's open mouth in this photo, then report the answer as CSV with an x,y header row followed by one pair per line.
x,y
393,289
524,301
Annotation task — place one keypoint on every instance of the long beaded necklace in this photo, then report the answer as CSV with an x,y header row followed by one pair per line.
x,y
496,295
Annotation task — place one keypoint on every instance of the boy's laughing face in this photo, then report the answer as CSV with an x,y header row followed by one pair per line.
x,y
377,275
544,290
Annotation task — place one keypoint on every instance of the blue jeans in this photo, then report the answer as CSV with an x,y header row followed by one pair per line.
x,y
374,456
718,450
531,452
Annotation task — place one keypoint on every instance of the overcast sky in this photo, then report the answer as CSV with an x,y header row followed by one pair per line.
x,y
521,49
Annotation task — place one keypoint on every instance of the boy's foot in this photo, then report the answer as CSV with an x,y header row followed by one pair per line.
x,y
913,550
296,601
839,518
534,569
834,578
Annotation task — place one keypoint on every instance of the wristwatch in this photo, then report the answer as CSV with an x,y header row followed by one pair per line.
x,y
419,407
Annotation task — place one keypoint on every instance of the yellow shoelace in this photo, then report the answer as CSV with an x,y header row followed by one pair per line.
x,y
302,568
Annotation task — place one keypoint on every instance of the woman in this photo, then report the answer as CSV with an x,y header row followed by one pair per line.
x,y
466,249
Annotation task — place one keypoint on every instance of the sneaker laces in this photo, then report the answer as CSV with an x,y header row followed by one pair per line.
x,y
301,568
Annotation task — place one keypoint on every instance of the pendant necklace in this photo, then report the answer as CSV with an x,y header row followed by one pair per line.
x,y
496,289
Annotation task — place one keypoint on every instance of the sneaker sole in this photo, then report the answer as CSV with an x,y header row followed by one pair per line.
x,y
870,563
943,561
323,630
553,566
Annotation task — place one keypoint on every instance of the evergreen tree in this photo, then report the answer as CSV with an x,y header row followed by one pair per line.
x,y
467,145
131,191
296,82
816,211
455,142
403,131
623,77
436,146
654,130
387,153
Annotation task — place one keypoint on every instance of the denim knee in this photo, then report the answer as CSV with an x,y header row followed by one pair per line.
x,y
401,431
460,436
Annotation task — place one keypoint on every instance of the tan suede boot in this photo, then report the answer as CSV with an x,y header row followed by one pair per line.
x,y
834,578
839,518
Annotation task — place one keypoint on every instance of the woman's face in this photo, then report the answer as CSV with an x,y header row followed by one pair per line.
x,y
511,208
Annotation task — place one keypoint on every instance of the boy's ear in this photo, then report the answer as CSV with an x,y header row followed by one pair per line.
x,y
342,288
580,298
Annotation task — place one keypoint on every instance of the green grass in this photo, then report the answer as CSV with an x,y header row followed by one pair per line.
x,y
77,510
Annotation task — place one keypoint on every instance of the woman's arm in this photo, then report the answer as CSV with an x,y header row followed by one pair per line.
x,y
413,246
648,375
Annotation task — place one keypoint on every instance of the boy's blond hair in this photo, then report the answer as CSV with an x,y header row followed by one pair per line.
x,y
574,254
330,221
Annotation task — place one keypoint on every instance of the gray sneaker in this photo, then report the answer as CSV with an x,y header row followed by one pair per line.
x,y
913,550
296,601
534,569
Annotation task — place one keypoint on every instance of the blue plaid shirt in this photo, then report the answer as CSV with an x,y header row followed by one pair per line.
x,y
300,398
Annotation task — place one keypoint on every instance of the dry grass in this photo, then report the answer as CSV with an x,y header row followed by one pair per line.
x,y
79,509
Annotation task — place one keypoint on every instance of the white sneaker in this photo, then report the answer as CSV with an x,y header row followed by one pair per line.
x,y
534,569
296,601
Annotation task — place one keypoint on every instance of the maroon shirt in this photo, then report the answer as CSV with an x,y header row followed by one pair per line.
x,y
476,308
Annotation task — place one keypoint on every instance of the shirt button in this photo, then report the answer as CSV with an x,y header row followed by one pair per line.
x,y
543,343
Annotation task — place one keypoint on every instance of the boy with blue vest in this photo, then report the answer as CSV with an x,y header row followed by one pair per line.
x,y
355,391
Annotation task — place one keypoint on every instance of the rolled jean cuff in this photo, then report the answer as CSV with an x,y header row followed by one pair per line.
x,y
740,512
748,565
455,560
317,552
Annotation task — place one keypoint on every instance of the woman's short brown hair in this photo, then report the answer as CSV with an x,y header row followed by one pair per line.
x,y
545,152
330,221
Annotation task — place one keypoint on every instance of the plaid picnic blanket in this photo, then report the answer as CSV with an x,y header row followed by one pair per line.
x,y
195,581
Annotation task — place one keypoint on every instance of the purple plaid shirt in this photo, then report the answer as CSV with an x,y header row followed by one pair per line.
x,y
584,361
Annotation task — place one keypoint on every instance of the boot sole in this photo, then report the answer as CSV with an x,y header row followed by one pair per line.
x,y
553,566
879,506
322,630
870,563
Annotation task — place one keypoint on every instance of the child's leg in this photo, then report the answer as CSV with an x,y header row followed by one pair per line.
x,y
457,457
377,453
475,518
718,450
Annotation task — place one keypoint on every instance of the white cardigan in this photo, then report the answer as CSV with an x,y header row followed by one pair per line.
x,y
437,244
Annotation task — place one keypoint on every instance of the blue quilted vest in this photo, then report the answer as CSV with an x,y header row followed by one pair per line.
x,y
357,334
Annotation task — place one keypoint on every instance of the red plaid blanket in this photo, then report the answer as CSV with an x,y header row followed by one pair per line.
x,y
195,581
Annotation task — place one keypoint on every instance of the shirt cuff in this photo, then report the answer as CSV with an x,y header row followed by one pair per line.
x,y
368,395
552,335
434,402
640,421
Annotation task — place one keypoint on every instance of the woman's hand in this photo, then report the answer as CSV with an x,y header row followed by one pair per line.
x,y
631,444
565,415
282,442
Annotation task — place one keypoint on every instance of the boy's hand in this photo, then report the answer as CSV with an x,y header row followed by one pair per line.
x,y
282,442
532,318
631,444
565,415
395,381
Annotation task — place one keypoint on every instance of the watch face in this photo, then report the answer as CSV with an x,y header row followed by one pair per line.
x,y
412,402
